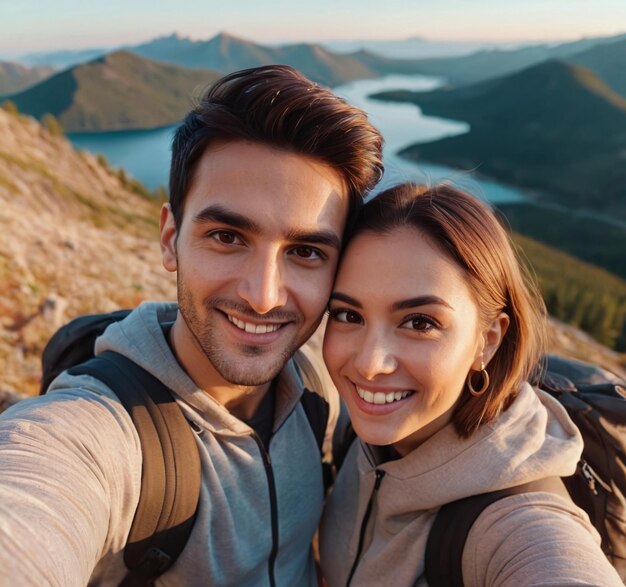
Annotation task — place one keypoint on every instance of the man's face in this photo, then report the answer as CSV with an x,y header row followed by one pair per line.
x,y
256,254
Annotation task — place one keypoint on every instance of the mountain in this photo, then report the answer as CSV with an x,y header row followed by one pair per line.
x,y
414,47
123,90
555,127
608,62
226,52
486,64
118,91
61,59
15,77
223,52
75,238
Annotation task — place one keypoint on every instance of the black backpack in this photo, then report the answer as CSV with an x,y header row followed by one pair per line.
x,y
171,476
597,405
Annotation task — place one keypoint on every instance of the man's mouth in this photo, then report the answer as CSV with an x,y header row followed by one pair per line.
x,y
380,397
253,328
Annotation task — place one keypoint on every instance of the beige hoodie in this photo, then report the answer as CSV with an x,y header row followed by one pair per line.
x,y
530,539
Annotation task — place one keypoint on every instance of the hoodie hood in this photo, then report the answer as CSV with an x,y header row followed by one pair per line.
x,y
379,513
140,337
533,439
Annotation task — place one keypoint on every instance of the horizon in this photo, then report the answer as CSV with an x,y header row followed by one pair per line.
x,y
28,27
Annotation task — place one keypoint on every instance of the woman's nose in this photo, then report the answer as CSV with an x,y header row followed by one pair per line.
x,y
375,357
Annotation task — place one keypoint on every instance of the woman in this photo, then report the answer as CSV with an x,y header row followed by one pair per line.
x,y
432,334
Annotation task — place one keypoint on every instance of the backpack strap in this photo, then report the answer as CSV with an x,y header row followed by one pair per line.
x,y
170,477
446,541
317,411
315,406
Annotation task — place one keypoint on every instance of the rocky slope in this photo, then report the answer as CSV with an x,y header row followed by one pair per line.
x,y
73,240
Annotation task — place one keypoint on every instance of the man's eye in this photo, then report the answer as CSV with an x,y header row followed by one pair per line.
x,y
226,237
346,316
305,252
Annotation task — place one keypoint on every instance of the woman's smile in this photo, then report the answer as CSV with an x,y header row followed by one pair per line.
x,y
399,346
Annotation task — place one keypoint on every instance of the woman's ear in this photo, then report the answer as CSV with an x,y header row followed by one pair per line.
x,y
492,337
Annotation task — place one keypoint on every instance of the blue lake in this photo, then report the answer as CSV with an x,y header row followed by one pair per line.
x,y
146,154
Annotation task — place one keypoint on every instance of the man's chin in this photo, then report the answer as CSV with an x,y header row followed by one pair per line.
x,y
249,373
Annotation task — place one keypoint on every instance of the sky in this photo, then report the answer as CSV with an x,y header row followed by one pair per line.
x,y
43,25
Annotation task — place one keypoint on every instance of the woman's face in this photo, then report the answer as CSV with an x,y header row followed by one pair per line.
x,y
402,336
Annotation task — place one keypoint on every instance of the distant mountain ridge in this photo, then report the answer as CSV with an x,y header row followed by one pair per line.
x,y
65,95
483,65
15,77
227,52
118,91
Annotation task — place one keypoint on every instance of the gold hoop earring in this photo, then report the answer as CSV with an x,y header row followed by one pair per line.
x,y
484,386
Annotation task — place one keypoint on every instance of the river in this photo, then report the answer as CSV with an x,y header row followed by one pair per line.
x,y
145,154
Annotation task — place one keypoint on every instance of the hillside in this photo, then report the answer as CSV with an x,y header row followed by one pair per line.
x,y
555,128
15,77
73,240
608,62
229,53
118,91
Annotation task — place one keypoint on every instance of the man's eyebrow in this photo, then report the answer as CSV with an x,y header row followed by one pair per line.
x,y
320,237
219,214
337,295
420,301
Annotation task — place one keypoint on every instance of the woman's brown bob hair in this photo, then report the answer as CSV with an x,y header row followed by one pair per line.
x,y
467,230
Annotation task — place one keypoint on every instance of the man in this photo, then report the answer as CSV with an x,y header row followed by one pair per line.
x,y
266,174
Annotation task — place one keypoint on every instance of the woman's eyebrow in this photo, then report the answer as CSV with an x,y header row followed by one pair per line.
x,y
337,295
420,301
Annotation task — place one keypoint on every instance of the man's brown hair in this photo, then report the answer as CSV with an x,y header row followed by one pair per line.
x,y
277,106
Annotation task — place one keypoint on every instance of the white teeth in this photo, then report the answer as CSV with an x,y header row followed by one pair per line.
x,y
380,397
253,328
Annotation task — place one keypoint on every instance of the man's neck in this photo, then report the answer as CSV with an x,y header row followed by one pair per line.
x,y
241,401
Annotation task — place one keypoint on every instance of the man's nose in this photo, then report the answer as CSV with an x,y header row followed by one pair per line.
x,y
375,356
262,286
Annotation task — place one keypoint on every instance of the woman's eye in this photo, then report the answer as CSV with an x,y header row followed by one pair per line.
x,y
305,252
419,323
225,237
347,316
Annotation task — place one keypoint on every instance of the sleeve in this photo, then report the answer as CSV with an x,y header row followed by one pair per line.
x,y
70,469
535,539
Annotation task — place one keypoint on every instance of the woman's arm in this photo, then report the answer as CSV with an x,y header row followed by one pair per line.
x,y
535,539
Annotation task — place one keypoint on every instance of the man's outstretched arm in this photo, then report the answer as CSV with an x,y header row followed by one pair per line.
x,y
70,469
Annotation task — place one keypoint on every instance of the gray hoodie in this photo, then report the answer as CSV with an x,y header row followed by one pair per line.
x,y
531,539
70,470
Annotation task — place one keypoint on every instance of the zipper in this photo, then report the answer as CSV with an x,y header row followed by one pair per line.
x,y
368,511
593,478
269,472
